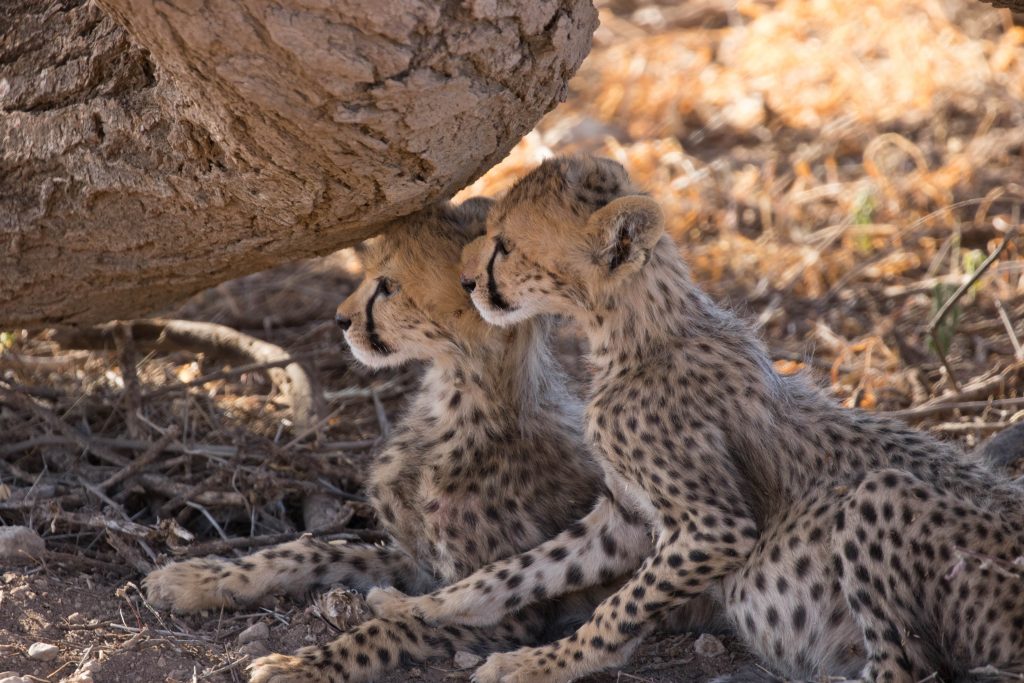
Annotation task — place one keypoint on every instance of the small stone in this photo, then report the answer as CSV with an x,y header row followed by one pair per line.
x,y
44,652
20,544
76,618
11,677
466,660
80,676
256,648
708,646
258,631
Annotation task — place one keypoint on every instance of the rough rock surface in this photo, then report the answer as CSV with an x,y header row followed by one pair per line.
x,y
213,139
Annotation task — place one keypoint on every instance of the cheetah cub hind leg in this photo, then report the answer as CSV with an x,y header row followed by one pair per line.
x,y
295,568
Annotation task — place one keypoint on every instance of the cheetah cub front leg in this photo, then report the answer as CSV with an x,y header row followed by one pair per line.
x,y
294,568
607,544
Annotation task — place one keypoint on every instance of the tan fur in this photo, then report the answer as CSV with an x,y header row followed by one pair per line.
x,y
841,543
474,471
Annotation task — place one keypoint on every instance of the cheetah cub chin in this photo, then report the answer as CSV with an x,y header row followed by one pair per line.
x,y
474,471
841,543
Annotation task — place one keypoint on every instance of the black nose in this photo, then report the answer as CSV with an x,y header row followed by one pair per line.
x,y
468,284
343,322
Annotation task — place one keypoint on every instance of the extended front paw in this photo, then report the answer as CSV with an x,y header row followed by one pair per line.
x,y
527,665
190,586
289,669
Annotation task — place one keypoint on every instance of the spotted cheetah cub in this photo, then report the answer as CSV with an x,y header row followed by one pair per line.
x,y
474,471
841,543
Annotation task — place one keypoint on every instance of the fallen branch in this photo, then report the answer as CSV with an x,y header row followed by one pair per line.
x,y
291,380
928,410
968,427
179,493
81,559
203,449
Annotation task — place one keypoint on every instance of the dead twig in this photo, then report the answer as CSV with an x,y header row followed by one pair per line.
x,y
179,493
1018,352
968,427
202,449
928,410
137,465
50,418
951,301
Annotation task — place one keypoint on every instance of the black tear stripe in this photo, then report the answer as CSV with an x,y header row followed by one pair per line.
x,y
376,343
497,300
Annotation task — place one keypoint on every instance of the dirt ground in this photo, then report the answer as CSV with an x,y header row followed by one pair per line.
x,y
96,618
835,171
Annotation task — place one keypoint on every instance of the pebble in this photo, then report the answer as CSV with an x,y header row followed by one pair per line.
x,y
44,652
79,677
466,660
11,677
20,544
258,631
708,646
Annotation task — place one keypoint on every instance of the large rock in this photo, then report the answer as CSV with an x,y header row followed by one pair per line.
x,y
217,138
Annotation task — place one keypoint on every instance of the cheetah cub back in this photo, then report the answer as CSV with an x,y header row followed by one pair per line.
x,y
843,543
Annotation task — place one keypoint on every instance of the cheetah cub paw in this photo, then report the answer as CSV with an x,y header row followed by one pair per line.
x,y
388,602
195,585
517,666
287,669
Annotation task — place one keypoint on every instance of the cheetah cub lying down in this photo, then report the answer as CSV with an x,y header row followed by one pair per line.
x,y
474,471
841,543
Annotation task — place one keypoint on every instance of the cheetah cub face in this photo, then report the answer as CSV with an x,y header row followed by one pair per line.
x,y
564,237
409,305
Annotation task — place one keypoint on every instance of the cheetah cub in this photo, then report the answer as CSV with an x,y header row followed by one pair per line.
x,y
474,471
841,543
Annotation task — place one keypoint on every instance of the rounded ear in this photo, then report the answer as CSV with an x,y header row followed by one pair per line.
x,y
626,229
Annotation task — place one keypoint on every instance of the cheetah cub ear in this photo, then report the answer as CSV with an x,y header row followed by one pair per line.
x,y
626,230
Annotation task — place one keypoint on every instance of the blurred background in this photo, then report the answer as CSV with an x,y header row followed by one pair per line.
x,y
833,171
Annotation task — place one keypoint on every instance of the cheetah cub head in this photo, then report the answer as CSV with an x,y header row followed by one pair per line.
x,y
566,234
410,305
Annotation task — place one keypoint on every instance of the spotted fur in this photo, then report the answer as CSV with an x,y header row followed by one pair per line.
x,y
841,543
474,471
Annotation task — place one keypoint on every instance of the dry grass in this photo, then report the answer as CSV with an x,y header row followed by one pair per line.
x,y
832,169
